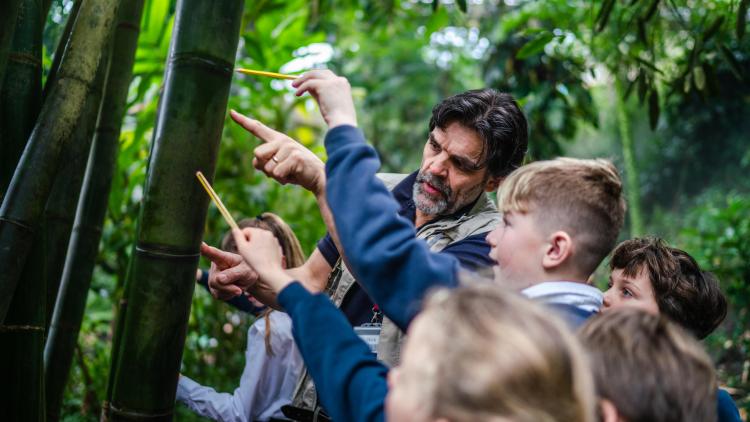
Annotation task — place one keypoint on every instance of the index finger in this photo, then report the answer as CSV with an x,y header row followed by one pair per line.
x,y
261,131
221,258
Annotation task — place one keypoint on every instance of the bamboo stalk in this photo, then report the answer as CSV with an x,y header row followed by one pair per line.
x,y
20,95
23,204
61,205
159,287
60,49
92,207
8,15
22,332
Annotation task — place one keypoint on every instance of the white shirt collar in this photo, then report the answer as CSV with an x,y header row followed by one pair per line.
x,y
573,293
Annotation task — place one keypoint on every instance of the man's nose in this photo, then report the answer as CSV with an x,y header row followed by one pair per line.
x,y
439,165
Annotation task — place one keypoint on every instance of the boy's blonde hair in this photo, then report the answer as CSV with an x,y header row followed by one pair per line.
x,y
498,356
650,368
579,196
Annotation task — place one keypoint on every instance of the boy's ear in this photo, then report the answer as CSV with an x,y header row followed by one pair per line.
x,y
608,412
493,183
559,249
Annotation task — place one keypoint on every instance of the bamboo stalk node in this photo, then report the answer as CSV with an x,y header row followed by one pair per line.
x,y
164,254
20,328
17,223
211,63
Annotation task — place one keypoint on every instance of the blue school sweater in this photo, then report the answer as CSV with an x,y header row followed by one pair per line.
x,y
351,382
393,266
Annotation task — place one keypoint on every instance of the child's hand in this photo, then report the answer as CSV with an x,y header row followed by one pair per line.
x,y
333,94
261,251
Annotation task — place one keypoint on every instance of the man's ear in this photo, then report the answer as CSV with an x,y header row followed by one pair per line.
x,y
559,249
493,183
608,412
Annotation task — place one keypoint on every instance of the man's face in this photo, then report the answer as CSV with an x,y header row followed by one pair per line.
x,y
518,247
452,173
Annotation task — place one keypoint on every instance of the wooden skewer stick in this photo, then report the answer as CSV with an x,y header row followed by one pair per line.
x,y
217,201
269,74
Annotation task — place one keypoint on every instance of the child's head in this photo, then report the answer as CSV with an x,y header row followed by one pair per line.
x,y
290,246
648,274
560,219
480,353
647,368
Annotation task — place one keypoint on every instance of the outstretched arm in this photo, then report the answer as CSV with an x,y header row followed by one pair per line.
x,y
351,382
380,247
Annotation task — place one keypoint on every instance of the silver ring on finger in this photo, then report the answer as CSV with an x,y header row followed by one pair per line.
x,y
275,160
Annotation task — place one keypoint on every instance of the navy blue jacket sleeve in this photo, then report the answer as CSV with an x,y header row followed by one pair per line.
x,y
394,267
727,408
351,383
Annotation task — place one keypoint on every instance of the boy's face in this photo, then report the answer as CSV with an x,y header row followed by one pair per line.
x,y
518,247
451,175
405,401
633,292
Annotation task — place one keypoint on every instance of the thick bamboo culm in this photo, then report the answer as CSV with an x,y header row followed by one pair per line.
x,y
22,332
21,90
92,207
152,325
8,15
27,194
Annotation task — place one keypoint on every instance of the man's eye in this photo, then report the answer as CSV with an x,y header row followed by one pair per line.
x,y
434,145
627,293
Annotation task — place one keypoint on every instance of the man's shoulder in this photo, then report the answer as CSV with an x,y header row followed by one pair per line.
x,y
390,180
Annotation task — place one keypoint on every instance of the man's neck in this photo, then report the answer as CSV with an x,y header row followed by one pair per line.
x,y
421,218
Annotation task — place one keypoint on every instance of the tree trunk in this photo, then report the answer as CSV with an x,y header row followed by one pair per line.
x,y
30,187
20,95
92,207
631,169
146,359
8,15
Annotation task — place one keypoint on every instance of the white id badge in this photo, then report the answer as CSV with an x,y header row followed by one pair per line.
x,y
370,333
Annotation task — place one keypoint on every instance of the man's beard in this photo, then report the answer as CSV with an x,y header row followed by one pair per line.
x,y
437,204
442,203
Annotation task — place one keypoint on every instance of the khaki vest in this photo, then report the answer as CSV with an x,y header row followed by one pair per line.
x,y
483,217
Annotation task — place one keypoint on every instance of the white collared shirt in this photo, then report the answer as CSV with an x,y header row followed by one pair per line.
x,y
580,295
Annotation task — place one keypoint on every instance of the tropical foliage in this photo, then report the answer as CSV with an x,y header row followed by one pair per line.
x,y
661,86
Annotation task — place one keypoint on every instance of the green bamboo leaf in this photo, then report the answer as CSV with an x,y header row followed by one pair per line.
x,y
713,28
642,88
734,65
650,11
534,46
699,76
603,16
653,108
742,18
461,5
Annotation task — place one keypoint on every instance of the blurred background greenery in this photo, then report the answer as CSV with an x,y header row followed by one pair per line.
x,y
659,86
